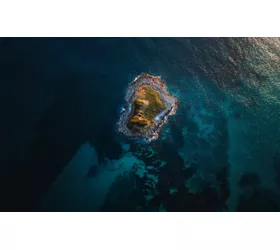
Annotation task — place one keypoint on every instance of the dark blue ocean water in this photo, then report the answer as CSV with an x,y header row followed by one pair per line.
x,y
61,100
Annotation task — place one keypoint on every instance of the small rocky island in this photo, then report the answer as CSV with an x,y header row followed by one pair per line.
x,y
147,107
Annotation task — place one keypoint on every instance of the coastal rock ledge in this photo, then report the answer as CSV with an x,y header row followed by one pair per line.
x,y
147,107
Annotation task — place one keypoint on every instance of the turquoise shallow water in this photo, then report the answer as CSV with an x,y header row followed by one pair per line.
x,y
220,152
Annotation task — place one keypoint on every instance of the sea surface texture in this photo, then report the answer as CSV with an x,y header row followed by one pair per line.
x,y
61,100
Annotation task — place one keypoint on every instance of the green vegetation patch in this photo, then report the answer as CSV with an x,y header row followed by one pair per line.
x,y
156,104
147,106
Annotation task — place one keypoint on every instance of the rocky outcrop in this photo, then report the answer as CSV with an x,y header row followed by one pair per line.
x,y
148,107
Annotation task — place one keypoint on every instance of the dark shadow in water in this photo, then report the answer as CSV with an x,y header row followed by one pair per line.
x,y
254,197
82,110
92,171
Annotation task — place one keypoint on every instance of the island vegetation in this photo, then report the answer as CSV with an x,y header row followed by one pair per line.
x,y
147,105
